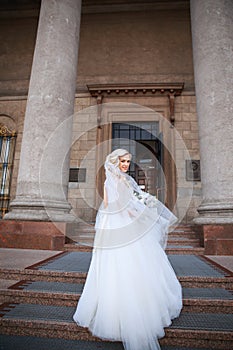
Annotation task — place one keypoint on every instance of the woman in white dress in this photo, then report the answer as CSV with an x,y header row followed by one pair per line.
x,y
131,291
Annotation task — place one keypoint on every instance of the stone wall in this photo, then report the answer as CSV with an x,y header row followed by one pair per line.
x,y
186,125
189,193
149,46
119,47
17,37
83,196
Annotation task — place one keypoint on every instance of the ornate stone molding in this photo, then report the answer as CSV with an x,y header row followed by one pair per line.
x,y
171,90
4,131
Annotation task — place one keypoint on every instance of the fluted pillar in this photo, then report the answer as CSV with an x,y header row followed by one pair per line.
x,y
44,161
212,37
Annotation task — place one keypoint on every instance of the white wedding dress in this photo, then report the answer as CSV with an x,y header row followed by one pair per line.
x,y
131,291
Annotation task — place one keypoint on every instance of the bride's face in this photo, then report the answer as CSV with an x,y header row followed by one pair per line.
x,y
124,163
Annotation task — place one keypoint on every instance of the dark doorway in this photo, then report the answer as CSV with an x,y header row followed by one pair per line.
x,y
144,142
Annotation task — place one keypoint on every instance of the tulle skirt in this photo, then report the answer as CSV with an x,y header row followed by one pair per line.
x,y
131,294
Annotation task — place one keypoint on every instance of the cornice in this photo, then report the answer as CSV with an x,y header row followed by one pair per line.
x,y
135,89
169,90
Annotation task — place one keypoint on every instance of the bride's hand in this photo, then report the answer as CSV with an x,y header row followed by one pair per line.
x,y
132,213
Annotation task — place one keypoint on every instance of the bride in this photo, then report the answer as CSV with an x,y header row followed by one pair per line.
x,y
131,291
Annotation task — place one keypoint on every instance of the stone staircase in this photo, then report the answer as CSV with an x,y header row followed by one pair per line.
x,y
183,239
38,309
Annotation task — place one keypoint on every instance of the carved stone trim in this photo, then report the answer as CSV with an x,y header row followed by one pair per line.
x,y
171,90
135,89
4,131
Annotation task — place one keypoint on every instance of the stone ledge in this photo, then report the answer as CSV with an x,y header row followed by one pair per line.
x,y
218,239
32,235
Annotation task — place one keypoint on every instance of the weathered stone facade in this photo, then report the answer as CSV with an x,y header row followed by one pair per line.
x,y
185,125
126,43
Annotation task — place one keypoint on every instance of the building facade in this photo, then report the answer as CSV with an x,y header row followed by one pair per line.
x,y
80,79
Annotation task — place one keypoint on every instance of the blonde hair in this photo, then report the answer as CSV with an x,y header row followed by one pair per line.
x,y
113,157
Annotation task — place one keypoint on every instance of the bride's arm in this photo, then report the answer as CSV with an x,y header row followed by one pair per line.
x,y
105,197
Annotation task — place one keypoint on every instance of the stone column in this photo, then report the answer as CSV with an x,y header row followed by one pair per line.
x,y
44,161
212,37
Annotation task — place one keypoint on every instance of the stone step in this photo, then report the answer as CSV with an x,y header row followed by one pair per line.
x,y
42,292
184,241
84,230
67,294
9,342
172,247
79,247
80,277
71,267
41,298
91,231
88,240
77,236
180,238
184,249
191,235
186,227
192,329
91,225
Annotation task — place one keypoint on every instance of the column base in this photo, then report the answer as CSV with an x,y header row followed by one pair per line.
x,y
219,213
32,235
216,219
32,209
